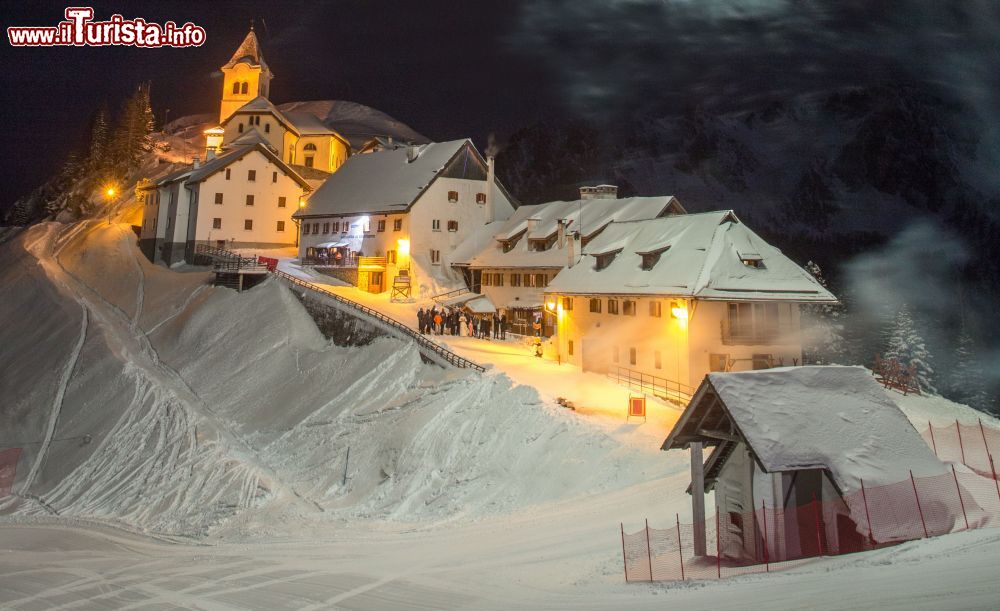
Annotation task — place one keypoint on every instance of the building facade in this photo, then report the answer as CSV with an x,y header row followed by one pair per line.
x,y
678,297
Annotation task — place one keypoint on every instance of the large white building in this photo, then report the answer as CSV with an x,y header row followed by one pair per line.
x,y
680,296
401,208
512,262
242,199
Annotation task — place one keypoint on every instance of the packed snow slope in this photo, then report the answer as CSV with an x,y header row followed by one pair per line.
x,y
147,397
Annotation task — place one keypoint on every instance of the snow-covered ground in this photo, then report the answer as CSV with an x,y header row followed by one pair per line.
x,y
188,445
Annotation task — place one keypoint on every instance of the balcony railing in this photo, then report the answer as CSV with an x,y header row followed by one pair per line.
x,y
663,388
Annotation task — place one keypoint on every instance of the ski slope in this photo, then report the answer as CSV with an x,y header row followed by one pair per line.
x,y
186,445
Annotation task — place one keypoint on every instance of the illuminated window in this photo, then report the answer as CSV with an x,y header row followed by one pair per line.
x,y
595,306
453,196
282,201
218,198
216,223
248,225
249,200
281,225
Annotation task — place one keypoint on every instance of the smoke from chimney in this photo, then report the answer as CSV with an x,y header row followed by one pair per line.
x,y
490,181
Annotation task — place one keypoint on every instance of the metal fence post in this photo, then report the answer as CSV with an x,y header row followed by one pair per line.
x,y
961,446
624,557
930,427
960,501
763,518
868,516
680,547
919,509
649,552
982,431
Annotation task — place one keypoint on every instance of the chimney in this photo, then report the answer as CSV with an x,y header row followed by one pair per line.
x,y
196,162
389,141
561,235
570,248
532,225
490,181
599,192
209,154
411,153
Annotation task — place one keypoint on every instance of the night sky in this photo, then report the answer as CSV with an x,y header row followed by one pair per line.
x,y
467,68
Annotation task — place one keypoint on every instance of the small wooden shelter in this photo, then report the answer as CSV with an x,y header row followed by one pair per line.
x,y
789,436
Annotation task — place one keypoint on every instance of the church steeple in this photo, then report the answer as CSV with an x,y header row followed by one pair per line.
x,y
246,76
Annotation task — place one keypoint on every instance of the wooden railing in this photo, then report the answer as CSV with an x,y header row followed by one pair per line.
x,y
444,296
428,348
654,385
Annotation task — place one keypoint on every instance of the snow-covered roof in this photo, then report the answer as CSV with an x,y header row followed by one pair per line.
x,y
248,52
251,136
703,258
585,216
817,417
383,182
191,175
309,124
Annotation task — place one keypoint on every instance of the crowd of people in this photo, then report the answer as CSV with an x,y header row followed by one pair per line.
x,y
453,321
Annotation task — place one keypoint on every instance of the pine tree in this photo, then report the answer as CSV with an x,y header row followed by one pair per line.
x,y
967,383
97,154
828,346
133,134
908,347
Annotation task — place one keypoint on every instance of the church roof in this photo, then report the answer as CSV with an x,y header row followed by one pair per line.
x,y
301,123
251,136
249,52
308,124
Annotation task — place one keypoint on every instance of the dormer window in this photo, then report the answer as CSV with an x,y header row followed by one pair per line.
x,y
651,258
605,259
752,261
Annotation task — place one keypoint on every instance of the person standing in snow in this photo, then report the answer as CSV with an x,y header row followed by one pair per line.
x,y
462,327
420,320
437,323
503,326
496,325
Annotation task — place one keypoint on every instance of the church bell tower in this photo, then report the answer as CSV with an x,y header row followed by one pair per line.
x,y
246,76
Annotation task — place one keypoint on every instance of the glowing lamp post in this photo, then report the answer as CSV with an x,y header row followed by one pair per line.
x,y
679,311
109,193
403,250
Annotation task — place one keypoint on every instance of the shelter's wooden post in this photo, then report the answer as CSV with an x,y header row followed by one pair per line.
x,y
718,543
698,498
763,519
930,427
982,431
649,551
680,546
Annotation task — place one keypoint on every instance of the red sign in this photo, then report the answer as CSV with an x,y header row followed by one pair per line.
x,y
637,407
8,468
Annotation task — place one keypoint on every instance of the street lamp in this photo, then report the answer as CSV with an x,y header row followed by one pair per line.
x,y
109,193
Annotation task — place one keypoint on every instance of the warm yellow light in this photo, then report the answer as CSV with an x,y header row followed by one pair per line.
x,y
110,192
403,247
302,202
679,310
551,305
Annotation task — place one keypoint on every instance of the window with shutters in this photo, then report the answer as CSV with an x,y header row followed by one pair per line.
x,y
436,257
655,309
515,279
595,305
326,227
612,306
436,225
628,308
